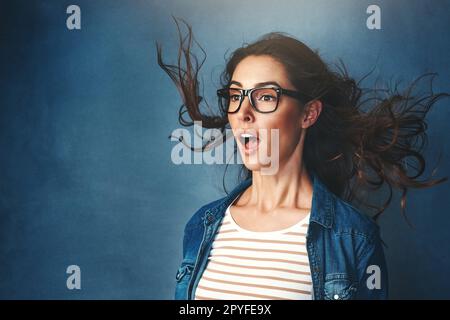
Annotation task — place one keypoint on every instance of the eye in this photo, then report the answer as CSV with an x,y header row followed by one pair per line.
x,y
267,97
235,97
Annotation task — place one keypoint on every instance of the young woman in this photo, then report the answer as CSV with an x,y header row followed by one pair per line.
x,y
295,233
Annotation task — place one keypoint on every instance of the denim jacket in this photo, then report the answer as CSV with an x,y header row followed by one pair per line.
x,y
344,247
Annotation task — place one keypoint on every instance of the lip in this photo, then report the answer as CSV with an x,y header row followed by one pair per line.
x,y
250,147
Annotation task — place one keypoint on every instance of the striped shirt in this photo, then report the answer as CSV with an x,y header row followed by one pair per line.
x,y
251,265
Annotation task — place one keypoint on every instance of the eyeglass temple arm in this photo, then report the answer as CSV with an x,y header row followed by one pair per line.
x,y
295,94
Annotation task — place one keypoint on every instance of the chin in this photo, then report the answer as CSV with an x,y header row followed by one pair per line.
x,y
253,166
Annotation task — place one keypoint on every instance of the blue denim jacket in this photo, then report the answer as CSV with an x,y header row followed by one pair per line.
x,y
344,248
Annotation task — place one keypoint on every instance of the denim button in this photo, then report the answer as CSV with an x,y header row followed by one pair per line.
x,y
183,270
336,297
180,273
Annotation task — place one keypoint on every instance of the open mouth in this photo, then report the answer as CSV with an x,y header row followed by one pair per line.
x,y
249,141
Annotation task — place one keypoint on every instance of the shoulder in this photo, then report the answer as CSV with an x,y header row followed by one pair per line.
x,y
348,219
196,220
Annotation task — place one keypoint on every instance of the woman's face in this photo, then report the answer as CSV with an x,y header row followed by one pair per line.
x,y
287,118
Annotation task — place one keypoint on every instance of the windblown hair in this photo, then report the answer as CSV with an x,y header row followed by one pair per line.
x,y
363,139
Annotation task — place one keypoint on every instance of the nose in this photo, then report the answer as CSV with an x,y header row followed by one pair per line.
x,y
246,112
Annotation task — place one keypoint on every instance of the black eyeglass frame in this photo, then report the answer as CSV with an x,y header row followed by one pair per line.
x,y
248,92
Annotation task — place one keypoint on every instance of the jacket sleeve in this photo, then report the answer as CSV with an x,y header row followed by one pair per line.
x,y
372,271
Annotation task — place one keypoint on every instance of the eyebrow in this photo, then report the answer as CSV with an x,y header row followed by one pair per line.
x,y
259,84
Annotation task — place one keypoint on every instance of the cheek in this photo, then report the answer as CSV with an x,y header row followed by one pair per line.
x,y
289,130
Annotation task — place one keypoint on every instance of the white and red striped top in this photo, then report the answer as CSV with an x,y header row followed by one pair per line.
x,y
253,265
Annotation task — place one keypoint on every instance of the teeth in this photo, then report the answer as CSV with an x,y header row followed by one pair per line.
x,y
246,137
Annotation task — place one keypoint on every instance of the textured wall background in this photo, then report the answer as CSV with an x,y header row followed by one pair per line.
x,y
85,170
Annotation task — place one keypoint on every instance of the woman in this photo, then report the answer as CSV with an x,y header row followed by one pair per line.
x,y
295,233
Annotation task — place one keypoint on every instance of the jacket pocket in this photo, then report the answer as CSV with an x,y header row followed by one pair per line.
x,y
182,277
339,286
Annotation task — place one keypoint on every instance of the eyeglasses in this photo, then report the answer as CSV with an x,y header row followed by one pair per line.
x,y
264,100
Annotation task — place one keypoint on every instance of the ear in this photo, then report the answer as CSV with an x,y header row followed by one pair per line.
x,y
311,113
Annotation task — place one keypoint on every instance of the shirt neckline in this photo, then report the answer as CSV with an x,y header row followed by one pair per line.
x,y
290,228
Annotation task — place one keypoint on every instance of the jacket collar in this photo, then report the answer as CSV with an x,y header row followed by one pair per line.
x,y
322,208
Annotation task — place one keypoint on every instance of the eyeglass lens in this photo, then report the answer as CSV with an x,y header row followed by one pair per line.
x,y
263,99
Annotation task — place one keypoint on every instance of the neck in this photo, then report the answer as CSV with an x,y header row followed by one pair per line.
x,y
290,187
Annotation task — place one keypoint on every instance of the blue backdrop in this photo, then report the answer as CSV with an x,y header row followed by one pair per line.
x,y
86,176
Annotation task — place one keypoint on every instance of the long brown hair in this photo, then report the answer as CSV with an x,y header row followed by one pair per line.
x,y
364,137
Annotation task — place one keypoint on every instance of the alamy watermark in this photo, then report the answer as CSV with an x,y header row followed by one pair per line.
x,y
74,279
220,148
